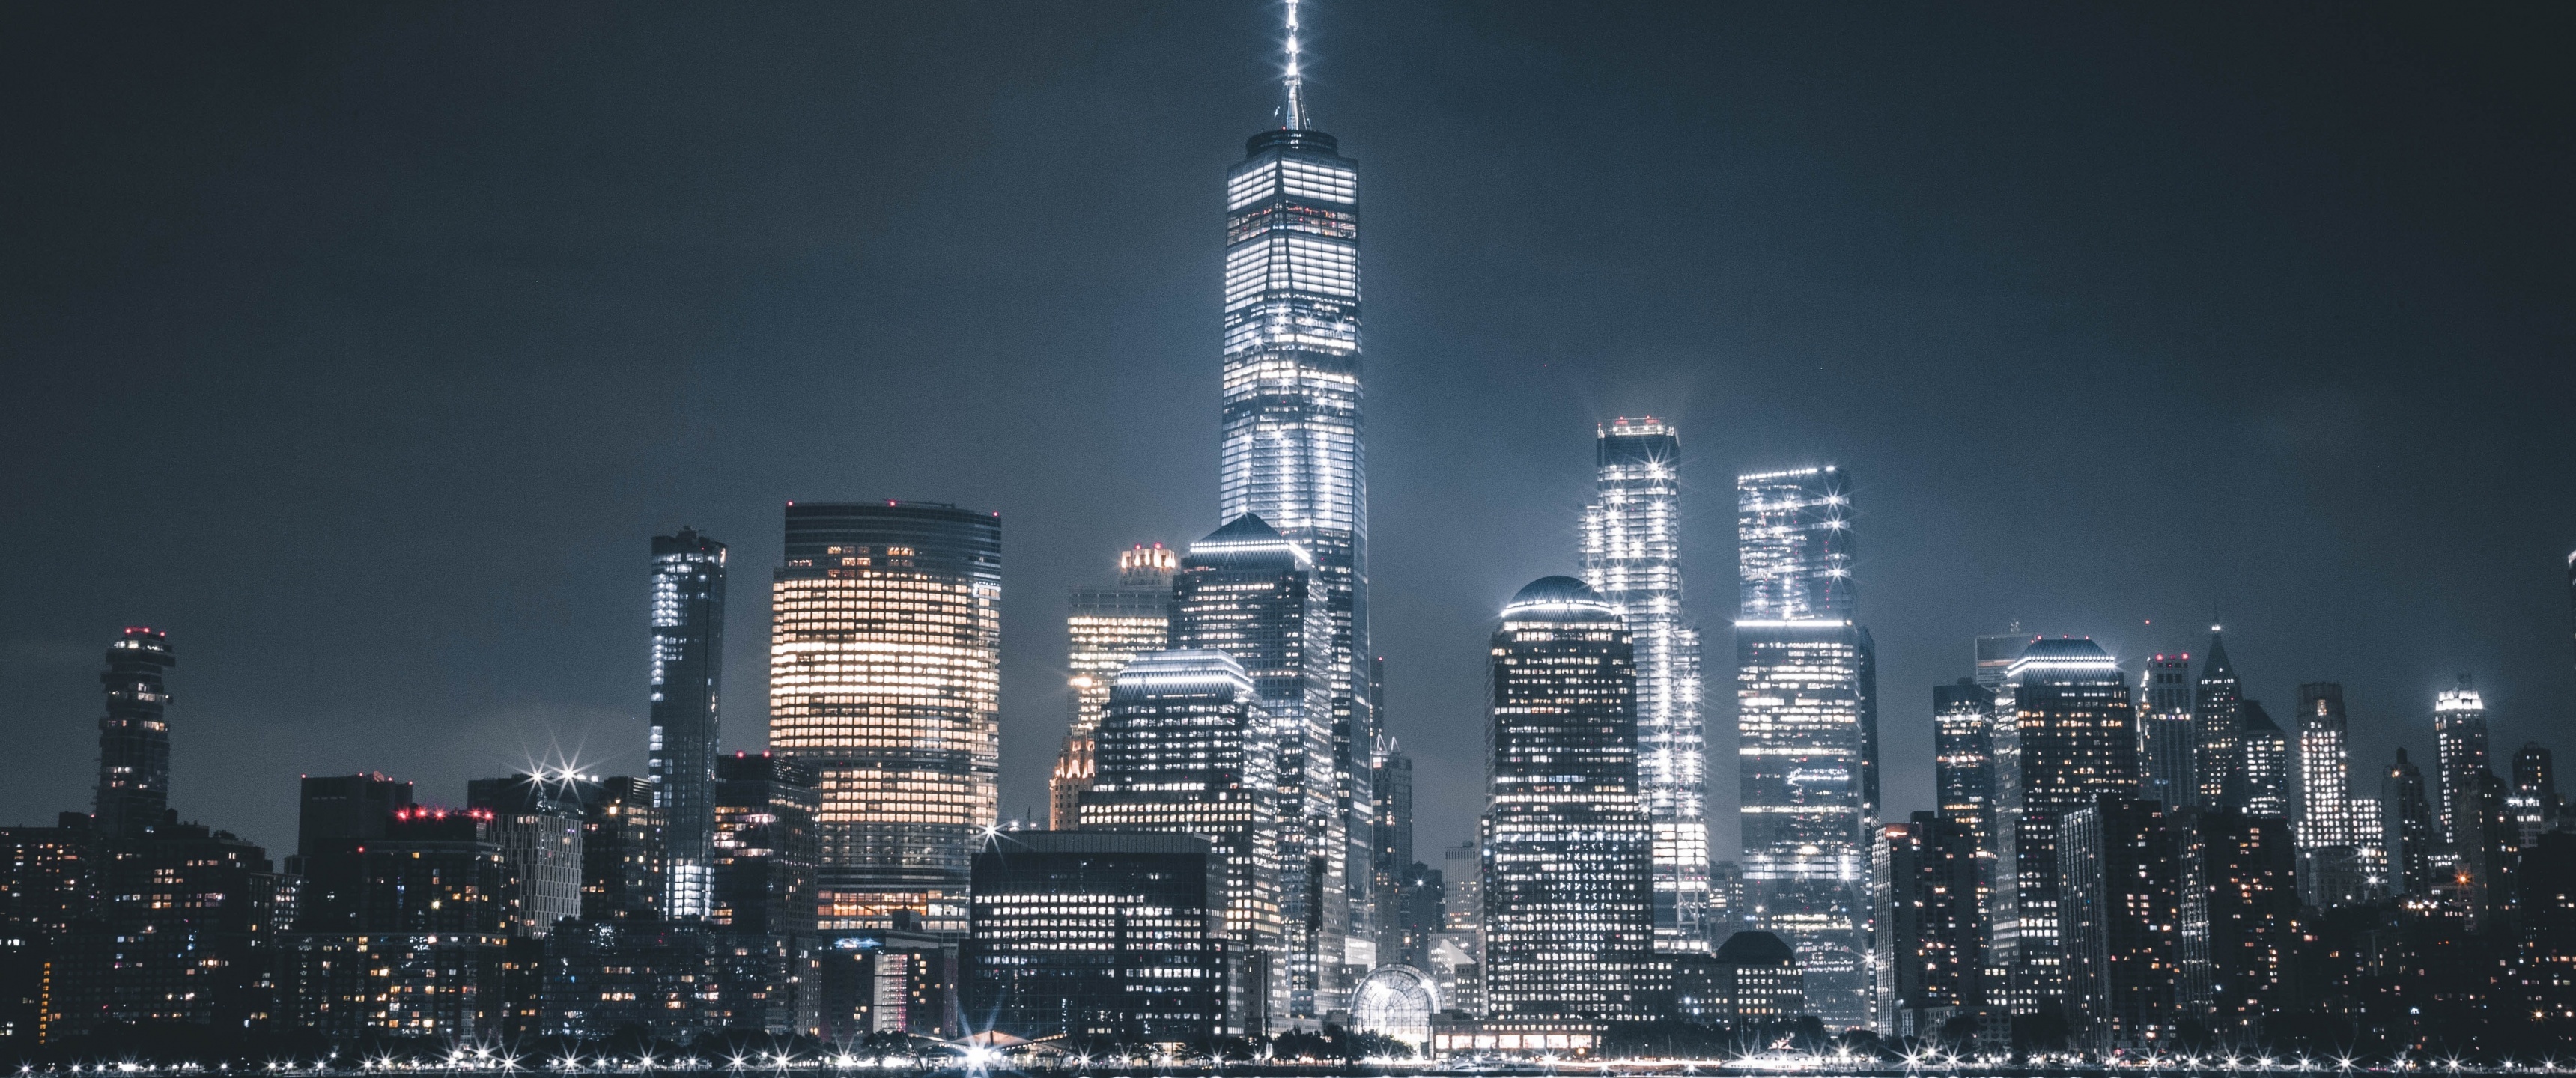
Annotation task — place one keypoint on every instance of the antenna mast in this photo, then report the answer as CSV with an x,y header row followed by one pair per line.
x,y
1294,80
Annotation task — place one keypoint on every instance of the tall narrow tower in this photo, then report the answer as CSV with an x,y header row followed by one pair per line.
x,y
134,735
1632,557
688,667
1290,447
1807,731
2214,705
2460,741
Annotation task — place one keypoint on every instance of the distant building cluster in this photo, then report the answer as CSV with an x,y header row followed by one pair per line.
x,y
2126,863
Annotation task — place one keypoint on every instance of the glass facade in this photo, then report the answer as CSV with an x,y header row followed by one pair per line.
x,y
1093,934
1105,627
688,667
1252,594
134,735
1290,449
884,676
1632,557
1807,733
2460,744
1186,748
2071,740
1568,857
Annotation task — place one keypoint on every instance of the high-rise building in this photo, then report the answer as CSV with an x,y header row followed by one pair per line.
x,y
1185,747
184,933
405,929
2334,867
622,870
2246,876
2070,741
1996,653
1632,557
2165,741
1569,896
1290,450
1103,628
1963,747
134,735
1930,923
2536,806
537,820
885,677
2486,848
2460,748
688,669
2120,887
1391,780
2261,783
1153,962
2412,831
761,858
1252,594
2214,720
49,881
1807,730
334,808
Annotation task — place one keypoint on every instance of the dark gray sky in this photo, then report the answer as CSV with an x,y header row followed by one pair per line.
x,y
362,348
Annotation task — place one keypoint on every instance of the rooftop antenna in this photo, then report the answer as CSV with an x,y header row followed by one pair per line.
x,y
1294,80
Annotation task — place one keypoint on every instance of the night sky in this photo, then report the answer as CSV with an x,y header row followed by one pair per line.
x,y
363,348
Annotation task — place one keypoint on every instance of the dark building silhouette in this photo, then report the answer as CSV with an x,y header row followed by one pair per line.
x,y
621,852
1754,978
688,671
2069,740
1930,920
888,981
762,860
2243,872
606,977
2411,830
2215,697
1963,760
134,736
1569,914
335,810
2536,806
2167,746
1154,964
2260,784
2120,886
49,882
184,933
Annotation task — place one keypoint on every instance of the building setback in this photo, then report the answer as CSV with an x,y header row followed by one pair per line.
x,y
1104,628
1632,557
884,676
1569,913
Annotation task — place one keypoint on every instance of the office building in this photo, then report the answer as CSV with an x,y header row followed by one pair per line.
x,y
1752,980
1632,558
2485,849
2242,873
2460,749
184,932
2412,832
1391,780
1250,593
1807,732
1103,628
885,676
761,863
604,978
1929,922
334,809
1419,917
1569,911
622,866
537,820
134,736
2071,739
2536,806
2214,720
2165,739
49,880
2120,889
2334,867
888,981
1996,652
688,671
1290,450
1963,760
2261,783
1153,962
1185,748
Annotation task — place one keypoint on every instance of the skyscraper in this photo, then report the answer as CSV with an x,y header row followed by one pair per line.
x,y
622,868
1632,557
1807,729
2069,742
537,821
2165,742
2214,722
134,735
2536,808
1963,758
1930,923
2246,877
2261,784
1569,894
1995,655
2325,768
1152,963
761,868
2460,744
1185,747
884,676
1252,594
1105,627
2412,831
1290,448
688,668
2120,885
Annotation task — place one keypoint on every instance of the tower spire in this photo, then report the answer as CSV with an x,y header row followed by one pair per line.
x,y
1294,80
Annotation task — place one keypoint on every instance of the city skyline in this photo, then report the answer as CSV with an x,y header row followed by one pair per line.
x,y
465,709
